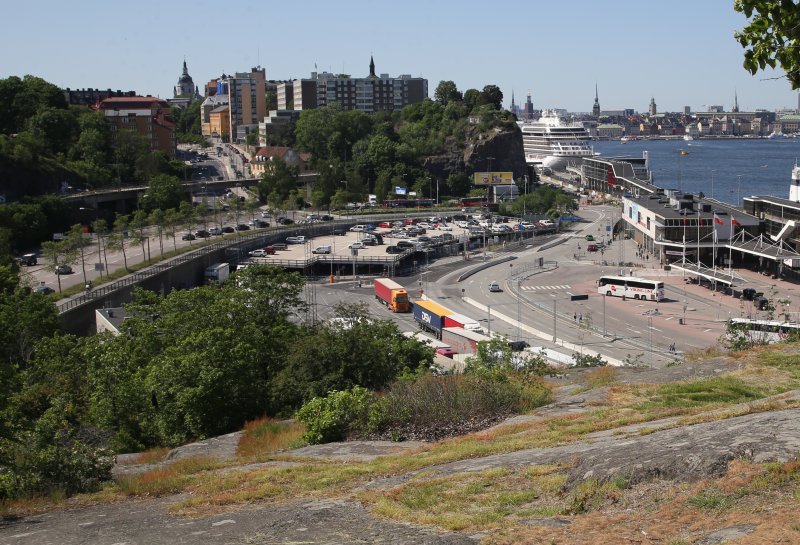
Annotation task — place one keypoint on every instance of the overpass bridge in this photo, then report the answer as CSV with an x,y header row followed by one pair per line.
x,y
123,199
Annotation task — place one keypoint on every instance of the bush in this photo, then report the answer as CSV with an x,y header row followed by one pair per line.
x,y
337,416
434,407
54,456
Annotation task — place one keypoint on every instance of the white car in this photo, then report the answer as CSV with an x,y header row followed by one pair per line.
x,y
296,240
357,246
258,253
462,224
358,228
215,231
445,227
424,225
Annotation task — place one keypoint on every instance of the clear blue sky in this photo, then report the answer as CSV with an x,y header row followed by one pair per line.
x,y
681,52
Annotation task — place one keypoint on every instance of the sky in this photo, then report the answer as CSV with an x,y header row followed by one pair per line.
x,y
679,52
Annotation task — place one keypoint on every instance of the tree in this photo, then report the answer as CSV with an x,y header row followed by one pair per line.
x,y
58,252
471,99
163,192
492,95
772,36
447,92
100,228
77,242
137,226
356,350
117,239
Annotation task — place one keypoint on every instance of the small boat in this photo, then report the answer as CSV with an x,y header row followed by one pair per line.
x,y
688,137
683,152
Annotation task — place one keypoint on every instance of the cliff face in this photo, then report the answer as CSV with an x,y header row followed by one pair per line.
x,y
497,150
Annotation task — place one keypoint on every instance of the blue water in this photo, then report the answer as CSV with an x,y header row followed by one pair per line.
x,y
740,167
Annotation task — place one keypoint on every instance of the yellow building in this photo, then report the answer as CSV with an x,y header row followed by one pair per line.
x,y
219,125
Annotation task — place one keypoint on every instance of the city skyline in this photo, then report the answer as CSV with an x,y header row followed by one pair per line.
x,y
680,53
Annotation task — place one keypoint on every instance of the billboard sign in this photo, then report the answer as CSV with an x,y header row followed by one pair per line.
x,y
493,178
399,190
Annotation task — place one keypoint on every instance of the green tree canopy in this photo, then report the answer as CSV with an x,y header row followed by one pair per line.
x,y
447,92
772,36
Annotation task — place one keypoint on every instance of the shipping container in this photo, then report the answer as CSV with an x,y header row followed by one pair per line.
x,y
430,316
462,340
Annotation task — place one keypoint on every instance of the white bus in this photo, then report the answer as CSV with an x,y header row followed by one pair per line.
x,y
762,331
631,286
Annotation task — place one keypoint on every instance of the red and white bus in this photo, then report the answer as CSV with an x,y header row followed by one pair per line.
x,y
631,286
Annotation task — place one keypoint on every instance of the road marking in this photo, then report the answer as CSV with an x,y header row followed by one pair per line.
x,y
670,318
553,287
656,329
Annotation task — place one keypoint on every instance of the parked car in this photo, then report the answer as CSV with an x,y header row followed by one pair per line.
x,y
202,233
296,240
43,290
63,269
357,246
260,253
385,225
403,244
394,250
216,231
518,345
760,302
266,213
340,232
494,286
326,217
188,236
261,224
228,229
325,249
358,228
242,227
279,246
589,237
750,293
591,248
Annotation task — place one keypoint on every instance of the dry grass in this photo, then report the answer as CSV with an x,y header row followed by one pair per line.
x,y
166,480
267,436
152,456
597,378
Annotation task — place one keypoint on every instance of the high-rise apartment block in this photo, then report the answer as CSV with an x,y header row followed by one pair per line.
x,y
371,94
247,104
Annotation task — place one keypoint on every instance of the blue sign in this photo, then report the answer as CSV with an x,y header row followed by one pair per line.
x,y
400,190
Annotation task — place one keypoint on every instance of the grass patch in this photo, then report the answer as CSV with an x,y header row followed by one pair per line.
x,y
267,436
600,377
713,391
152,456
166,480
591,495
484,500
711,499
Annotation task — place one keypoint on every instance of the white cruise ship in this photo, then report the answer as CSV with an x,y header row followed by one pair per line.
x,y
551,142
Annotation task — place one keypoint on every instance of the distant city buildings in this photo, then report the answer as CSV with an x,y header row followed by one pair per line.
x,y
370,94
92,97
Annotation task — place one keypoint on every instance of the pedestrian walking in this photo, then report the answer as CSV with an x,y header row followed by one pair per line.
x,y
575,317
580,318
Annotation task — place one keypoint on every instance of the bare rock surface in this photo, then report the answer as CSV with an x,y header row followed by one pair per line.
x,y
636,453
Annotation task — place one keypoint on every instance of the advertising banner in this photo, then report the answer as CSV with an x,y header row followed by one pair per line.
x,y
493,178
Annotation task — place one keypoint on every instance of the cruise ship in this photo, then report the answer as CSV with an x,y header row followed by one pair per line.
x,y
553,143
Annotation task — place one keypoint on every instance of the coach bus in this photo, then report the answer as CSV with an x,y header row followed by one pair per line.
x,y
762,331
631,286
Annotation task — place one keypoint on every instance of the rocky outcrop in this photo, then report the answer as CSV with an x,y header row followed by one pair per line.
x,y
498,150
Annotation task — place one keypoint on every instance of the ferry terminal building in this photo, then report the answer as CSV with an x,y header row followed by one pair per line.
x,y
705,237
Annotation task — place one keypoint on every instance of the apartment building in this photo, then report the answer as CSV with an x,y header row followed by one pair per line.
x,y
148,116
247,104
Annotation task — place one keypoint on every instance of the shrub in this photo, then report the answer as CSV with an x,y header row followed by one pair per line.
x,y
433,407
335,417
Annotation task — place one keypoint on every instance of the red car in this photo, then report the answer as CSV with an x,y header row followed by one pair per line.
x,y
446,352
591,248
385,225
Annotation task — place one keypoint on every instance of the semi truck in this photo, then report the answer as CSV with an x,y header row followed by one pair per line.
x,y
392,294
464,322
430,316
217,273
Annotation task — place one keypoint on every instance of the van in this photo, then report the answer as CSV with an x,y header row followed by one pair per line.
x,y
322,250
28,259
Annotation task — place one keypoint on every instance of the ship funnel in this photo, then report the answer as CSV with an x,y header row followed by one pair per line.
x,y
794,189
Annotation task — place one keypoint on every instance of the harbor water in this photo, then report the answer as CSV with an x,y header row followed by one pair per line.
x,y
727,169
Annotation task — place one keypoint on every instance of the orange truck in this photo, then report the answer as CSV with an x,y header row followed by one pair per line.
x,y
392,294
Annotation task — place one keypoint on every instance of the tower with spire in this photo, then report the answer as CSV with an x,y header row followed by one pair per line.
x,y
735,102
185,87
596,107
514,109
372,68
652,109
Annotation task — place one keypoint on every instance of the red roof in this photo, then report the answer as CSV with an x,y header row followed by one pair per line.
x,y
131,102
273,151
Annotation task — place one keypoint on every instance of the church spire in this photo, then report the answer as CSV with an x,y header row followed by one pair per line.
x,y
185,70
372,68
735,102
596,107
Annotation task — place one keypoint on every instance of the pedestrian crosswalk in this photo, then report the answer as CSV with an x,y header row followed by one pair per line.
x,y
545,288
